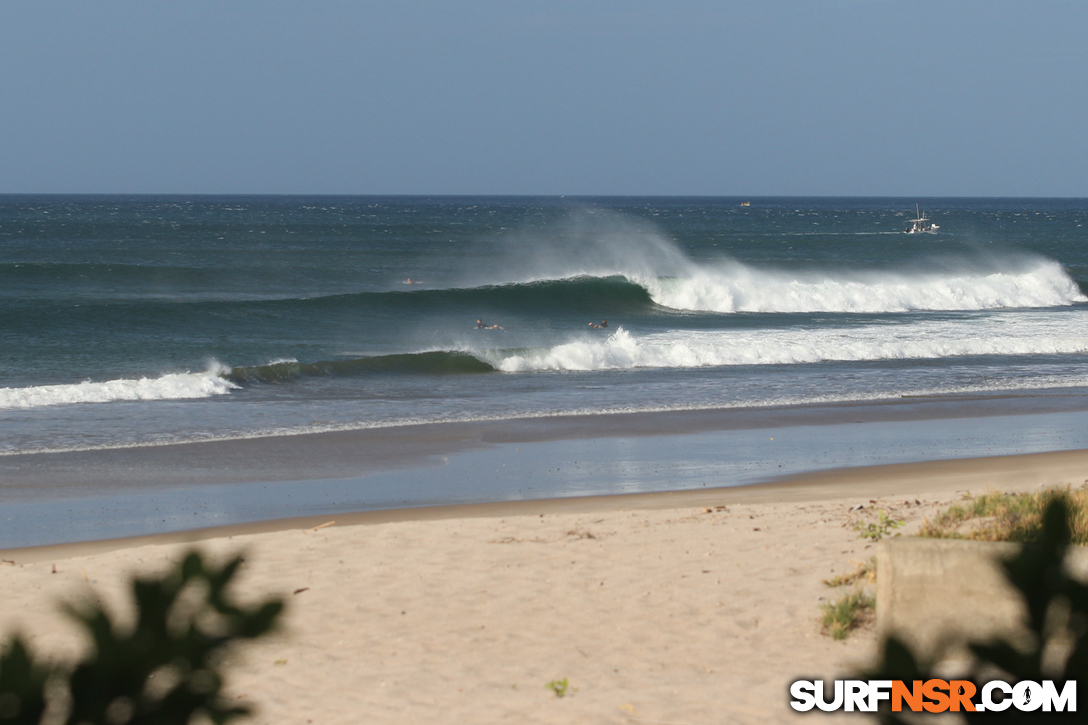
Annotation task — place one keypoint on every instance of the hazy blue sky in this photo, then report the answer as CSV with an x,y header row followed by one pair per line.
x,y
820,97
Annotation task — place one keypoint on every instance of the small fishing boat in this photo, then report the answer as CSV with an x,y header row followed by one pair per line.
x,y
921,224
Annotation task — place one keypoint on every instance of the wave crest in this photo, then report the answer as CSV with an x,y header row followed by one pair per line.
x,y
173,386
735,287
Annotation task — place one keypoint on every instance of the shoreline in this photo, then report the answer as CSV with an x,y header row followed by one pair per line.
x,y
117,493
1013,472
361,451
399,446
686,606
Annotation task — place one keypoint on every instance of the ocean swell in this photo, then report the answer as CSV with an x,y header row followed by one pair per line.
x,y
436,362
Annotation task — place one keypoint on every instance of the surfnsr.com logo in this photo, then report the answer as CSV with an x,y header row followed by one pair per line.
x,y
935,696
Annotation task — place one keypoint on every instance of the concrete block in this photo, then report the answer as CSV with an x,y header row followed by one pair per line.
x,y
938,594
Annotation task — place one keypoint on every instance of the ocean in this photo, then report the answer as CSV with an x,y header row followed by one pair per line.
x,y
134,321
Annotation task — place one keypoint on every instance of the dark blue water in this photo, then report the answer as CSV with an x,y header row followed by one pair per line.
x,y
139,320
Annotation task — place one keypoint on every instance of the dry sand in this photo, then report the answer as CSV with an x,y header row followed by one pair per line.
x,y
687,608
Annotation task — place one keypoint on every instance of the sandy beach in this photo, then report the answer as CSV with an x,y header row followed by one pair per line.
x,y
686,607
558,364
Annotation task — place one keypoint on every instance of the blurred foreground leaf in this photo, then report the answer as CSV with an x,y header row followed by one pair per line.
x,y
164,669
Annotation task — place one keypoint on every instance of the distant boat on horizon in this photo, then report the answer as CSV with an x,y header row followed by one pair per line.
x,y
921,224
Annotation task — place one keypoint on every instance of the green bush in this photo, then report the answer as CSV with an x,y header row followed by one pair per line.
x,y
165,669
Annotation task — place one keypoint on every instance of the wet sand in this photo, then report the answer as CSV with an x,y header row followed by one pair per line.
x,y
350,453
681,607
99,494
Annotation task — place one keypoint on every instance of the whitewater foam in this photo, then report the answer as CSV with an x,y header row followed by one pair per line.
x,y
735,287
1028,334
173,386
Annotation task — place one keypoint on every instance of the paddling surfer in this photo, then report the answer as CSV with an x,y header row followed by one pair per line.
x,y
481,326
604,323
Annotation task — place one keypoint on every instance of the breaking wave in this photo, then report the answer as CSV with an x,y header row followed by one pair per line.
x,y
735,287
693,348
1030,333
173,386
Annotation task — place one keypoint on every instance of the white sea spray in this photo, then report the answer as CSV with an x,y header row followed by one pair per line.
x,y
729,287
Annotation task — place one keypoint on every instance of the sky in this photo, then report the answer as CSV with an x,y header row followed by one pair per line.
x,y
578,97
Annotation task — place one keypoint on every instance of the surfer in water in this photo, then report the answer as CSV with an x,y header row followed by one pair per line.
x,y
481,326
604,323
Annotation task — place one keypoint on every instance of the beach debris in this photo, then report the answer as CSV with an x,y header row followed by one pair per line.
x,y
516,540
859,507
300,591
324,525
865,571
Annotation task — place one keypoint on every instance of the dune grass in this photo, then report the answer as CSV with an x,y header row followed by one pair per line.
x,y
1016,517
848,613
